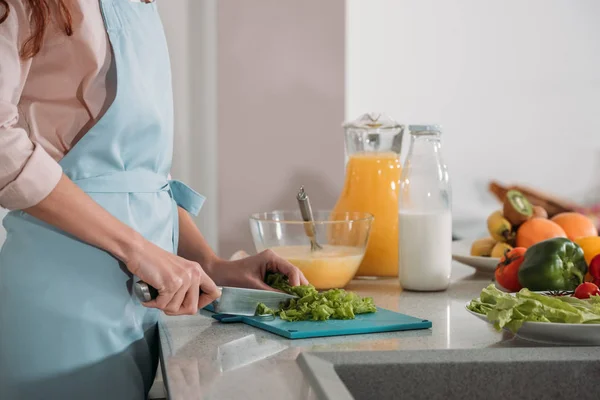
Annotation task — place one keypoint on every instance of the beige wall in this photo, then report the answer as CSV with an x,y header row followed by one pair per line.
x,y
280,108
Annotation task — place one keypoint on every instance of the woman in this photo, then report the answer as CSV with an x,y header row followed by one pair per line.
x,y
85,152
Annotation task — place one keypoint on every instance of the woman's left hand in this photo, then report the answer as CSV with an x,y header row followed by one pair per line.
x,y
250,272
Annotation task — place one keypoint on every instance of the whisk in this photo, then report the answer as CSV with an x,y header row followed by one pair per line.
x,y
307,216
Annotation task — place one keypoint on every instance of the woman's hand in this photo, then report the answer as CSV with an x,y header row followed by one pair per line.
x,y
183,286
250,272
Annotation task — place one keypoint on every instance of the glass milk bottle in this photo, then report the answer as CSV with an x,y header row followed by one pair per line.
x,y
424,214
372,148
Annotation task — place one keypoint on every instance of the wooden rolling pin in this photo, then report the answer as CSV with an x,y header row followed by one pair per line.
x,y
551,204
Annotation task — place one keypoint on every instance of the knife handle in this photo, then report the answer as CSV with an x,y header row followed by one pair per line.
x,y
144,292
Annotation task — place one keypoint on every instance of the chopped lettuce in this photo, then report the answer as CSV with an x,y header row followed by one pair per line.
x,y
262,309
315,306
510,311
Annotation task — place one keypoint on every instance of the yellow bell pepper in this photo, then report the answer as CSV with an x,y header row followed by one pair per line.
x,y
591,248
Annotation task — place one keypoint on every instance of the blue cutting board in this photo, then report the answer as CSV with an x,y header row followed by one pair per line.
x,y
381,321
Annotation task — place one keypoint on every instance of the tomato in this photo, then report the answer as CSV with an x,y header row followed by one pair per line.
x,y
507,271
586,290
594,267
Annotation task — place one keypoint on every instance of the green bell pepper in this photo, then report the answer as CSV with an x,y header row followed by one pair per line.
x,y
554,264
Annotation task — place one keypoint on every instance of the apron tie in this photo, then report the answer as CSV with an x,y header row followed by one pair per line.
x,y
143,181
186,197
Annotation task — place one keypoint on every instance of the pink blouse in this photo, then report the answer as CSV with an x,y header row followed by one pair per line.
x,y
49,102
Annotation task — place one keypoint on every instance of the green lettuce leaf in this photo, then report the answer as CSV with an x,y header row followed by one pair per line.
x,y
507,311
262,309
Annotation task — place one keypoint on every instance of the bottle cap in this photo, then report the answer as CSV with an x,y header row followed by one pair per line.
x,y
425,129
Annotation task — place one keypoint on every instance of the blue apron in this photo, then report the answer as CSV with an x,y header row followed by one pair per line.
x,y
70,326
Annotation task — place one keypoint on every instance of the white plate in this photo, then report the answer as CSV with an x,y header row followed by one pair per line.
x,y
555,333
461,252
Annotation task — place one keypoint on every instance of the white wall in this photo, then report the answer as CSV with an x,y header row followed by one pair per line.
x,y
515,84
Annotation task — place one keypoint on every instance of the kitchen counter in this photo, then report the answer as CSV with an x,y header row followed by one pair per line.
x,y
203,358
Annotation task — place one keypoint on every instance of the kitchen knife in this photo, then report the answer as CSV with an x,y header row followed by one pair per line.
x,y
234,301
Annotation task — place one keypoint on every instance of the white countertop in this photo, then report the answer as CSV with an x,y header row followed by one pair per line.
x,y
207,359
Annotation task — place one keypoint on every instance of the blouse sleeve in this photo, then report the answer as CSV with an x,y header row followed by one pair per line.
x,y
27,173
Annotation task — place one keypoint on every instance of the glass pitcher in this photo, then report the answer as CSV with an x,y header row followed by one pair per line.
x,y
372,151
424,214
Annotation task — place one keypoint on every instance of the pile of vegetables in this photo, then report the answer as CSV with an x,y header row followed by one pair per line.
x,y
558,270
551,265
315,306
510,311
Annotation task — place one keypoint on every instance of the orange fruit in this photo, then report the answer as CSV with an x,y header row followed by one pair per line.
x,y
575,225
537,230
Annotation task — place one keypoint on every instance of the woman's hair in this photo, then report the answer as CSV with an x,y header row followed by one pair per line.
x,y
40,15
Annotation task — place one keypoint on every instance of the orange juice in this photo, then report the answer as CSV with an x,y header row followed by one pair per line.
x,y
371,186
329,268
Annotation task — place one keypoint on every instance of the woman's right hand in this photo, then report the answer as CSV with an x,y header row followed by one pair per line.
x,y
183,286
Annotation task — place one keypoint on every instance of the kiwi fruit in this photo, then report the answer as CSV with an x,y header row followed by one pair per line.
x,y
517,209
540,212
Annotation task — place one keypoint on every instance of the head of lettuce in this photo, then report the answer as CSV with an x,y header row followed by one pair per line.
x,y
509,311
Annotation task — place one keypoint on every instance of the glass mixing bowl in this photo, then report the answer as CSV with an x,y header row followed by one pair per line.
x,y
342,235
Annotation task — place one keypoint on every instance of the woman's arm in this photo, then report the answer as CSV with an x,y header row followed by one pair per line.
x,y
86,220
192,245
248,272
178,281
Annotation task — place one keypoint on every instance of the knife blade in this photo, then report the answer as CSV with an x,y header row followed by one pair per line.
x,y
233,300
241,301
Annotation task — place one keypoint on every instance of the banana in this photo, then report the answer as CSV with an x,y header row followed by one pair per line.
x,y
499,227
499,249
482,247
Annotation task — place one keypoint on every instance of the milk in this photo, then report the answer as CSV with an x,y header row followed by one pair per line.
x,y
425,246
